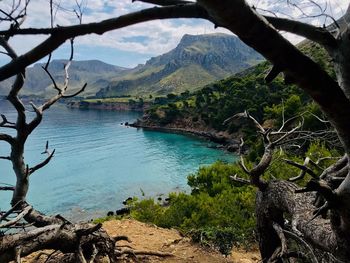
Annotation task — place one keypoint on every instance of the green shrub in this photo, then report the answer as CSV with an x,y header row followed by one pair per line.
x,y
222,212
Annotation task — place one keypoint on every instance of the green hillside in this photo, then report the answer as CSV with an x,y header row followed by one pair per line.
x,y
196,61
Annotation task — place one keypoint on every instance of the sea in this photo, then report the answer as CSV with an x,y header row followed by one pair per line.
x,y
99,161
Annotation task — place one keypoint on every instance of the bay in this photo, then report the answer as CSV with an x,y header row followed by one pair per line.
x,y
99,162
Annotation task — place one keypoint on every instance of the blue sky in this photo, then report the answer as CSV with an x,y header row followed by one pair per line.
x,y
131,46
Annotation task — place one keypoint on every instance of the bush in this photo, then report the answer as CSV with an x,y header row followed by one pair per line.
x,y
216,210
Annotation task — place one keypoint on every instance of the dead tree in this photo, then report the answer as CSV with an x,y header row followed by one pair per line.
x,y
275,198
285,212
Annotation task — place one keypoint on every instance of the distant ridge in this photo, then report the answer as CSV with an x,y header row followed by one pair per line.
x,y
96,73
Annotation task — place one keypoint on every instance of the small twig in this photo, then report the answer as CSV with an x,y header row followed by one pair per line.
x,y
287,134
42,164
46,151
7,124
52,79
244,114
77,93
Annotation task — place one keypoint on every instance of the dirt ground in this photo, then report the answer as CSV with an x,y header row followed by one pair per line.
x,y
152,238
147,238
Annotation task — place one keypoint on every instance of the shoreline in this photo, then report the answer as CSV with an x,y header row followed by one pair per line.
x,y
225,143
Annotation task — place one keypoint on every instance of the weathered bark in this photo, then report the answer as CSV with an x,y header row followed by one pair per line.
x,y
66,238
279,202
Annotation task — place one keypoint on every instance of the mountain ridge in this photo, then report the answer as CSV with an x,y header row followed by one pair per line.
x,y
196,61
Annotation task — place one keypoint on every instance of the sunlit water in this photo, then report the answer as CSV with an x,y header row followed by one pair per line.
x,y
99,162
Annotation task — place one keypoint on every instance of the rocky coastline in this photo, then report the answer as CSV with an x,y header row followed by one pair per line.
x,y
223,140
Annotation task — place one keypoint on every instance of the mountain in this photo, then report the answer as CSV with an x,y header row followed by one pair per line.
x,y
196,61
96,73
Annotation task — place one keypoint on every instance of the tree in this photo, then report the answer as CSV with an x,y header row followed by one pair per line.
x,y
330,235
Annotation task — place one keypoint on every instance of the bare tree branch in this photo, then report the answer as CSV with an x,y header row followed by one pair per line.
x,y
302,173
7,188
316,34
42,164
76,93
279,140
245,114
301,167
7,138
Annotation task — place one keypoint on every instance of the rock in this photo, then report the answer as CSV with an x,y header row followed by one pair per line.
x,y
122,211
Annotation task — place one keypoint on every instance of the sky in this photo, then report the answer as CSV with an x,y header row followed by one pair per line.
x,y
136,44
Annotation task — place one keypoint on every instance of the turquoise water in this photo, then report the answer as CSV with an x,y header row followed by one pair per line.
x,y
99,162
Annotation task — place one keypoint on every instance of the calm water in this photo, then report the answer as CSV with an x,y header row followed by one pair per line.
x,y
98,162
